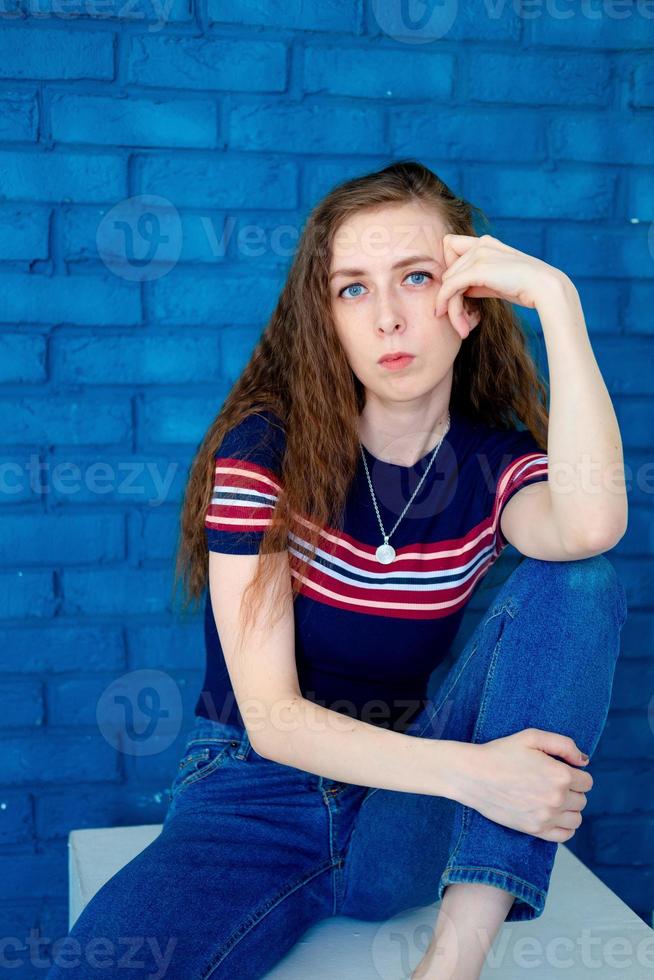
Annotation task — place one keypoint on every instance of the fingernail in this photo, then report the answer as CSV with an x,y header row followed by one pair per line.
x,y
584,757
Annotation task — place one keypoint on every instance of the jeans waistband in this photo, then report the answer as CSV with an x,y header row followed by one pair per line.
x,y
221,731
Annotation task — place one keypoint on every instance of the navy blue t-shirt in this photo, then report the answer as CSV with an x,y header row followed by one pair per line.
x,y
368,635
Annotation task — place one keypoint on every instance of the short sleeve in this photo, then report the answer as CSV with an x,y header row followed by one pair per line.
x,y
515,460
247,483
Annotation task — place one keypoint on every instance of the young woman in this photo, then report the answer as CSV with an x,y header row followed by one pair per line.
x,y
342,511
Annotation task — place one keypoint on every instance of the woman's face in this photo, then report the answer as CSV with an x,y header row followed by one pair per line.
x,y
378,308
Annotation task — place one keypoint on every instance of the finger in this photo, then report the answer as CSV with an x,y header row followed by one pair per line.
x,y
581,780
575,801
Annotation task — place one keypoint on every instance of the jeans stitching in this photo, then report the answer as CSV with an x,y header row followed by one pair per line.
x,y
480,717
258,916
498,871
193,777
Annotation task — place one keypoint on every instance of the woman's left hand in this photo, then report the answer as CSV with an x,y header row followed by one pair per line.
x,y
485,266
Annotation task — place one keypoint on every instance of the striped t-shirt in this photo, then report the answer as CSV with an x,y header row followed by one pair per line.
x,y
368,635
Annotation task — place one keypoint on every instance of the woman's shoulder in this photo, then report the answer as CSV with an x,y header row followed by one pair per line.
x,y
258,438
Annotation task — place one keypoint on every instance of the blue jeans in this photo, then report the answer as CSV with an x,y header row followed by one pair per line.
x,y
253,853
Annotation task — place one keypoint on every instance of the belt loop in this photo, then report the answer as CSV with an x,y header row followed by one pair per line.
x,y
244,747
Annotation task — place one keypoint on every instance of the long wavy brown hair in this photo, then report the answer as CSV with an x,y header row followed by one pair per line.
x,y
299,370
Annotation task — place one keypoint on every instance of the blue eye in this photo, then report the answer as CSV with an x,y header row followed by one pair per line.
x,y
353,285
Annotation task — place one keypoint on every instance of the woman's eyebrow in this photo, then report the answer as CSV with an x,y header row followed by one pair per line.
x,y
398,265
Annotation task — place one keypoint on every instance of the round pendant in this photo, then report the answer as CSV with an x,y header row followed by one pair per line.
x,y
385,553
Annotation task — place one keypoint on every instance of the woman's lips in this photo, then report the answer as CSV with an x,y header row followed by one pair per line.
x,y
397,363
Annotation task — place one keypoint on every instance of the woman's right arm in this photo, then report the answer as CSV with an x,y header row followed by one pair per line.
x,y
284,726
290,729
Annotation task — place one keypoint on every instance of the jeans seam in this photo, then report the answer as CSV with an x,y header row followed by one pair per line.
x,y
239,933
480,716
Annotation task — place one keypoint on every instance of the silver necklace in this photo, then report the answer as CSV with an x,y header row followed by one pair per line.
x,y
386,552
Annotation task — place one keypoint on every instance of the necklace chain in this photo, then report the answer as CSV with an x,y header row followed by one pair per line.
x,y
385,552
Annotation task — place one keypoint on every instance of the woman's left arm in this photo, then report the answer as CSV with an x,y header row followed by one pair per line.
x,y
585,460
585,463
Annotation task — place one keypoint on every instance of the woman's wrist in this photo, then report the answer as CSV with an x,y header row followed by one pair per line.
x,y
458,766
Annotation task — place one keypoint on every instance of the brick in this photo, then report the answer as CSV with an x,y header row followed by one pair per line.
x,y
600,251
530,194
637,636
19,118
23,232
117,592
609,840
161,12
156,358
22,703
128,121
34,875
57,757
633,686
342,16
62,176
641,201
22,358
640,296
160,533
177,420
643,85
222,64
605,139
75,420
612,26
190,300
73,701
457,133
61,647
639,473
60,811
324,128
36,52
26,595
637,578
236,346
602,304
211,182
15,486
625,736
634,419
378,73
81,300
620,787
554,79
207,237
635,888
446,22
178,647
146,479
16,821
639,537
62,538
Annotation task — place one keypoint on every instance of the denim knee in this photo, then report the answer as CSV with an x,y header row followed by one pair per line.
x,y
586,580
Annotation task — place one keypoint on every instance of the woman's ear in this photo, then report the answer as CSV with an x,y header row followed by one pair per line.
x,y
472,315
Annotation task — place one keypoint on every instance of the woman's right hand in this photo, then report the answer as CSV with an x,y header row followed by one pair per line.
x,y
516,782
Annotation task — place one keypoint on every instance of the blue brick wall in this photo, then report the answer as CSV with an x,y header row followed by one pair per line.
x,y
239,116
